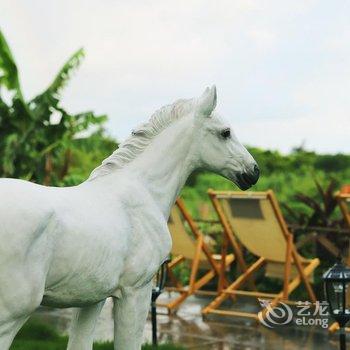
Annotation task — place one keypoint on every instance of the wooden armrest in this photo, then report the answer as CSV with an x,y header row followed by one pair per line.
x,y
176,261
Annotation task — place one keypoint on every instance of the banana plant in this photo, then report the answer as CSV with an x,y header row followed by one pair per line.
x,y
32,147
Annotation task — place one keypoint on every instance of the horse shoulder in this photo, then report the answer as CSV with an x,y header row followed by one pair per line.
x,y
149,241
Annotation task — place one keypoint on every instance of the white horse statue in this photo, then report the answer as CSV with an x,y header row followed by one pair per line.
x,y
107,237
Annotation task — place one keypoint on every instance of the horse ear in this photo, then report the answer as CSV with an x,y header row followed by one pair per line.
x,y
207,102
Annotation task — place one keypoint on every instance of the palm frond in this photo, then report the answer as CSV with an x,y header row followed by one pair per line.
x,y
320,190
8,69
310,202
330,200
51,94
296,216
322,211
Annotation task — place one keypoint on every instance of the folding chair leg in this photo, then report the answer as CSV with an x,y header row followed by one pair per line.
x,y
203,280
222,282
170,273
173,279
223,295
303,275
175,303
291,286
195,264
287,266
333,327
197,285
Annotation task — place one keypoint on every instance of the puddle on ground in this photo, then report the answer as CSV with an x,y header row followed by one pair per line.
x,y
215,332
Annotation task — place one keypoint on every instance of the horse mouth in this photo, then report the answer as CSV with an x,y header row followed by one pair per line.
x,y
243,186
244,182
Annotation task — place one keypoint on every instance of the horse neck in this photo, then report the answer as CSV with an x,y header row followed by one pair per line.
x,y
166,163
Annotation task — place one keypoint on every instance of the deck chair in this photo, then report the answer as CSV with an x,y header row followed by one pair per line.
x,y
343,198
193,250
254,221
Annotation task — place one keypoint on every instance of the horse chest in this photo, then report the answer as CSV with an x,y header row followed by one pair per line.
x,y
149,246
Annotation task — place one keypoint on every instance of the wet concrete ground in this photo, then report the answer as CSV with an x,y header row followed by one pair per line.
x,y
215,333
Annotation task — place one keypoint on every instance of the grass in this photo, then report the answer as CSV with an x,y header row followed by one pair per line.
x,y
39,336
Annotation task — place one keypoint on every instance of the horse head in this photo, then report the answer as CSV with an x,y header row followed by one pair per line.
x,y
218,148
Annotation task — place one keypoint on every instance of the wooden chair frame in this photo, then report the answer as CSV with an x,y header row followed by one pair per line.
x,y
342,198
195,283
291,253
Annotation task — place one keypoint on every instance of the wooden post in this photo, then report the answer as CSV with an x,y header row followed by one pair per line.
x,y
195,264
222,279
287,266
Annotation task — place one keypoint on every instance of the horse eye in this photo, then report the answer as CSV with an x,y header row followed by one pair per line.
x,y
226,133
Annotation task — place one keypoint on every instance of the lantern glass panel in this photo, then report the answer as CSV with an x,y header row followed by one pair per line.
x,y
346,286
337,282
337,297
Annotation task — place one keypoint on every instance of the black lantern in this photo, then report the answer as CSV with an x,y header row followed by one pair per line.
x,y
336,281
159,284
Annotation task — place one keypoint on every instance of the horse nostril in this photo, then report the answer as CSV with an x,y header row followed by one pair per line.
x,y
256,170
246,178
250,178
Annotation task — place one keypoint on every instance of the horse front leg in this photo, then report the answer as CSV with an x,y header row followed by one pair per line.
x,y
81,335
130,314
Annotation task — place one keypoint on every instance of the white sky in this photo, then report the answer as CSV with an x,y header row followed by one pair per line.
x,y
282,68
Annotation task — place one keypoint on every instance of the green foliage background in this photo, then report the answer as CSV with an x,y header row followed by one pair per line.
x,y
285,174
42,142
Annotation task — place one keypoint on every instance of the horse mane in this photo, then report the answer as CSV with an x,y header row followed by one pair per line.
x,y
141,137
